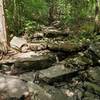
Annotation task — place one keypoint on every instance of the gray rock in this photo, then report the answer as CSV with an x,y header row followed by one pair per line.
x,y
55,72
95,47
90,96
31,60
37,46
92,87
12,86
17,42
45,92
94,74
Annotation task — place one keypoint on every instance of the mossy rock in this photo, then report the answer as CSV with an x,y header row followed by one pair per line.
x,y
90,96
92,87
94,74
87,27
45,92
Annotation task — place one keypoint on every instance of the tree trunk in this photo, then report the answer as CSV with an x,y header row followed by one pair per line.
x,y
97,23
3,34
52,11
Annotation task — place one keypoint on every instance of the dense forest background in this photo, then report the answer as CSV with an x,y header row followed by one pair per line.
x,y
72,15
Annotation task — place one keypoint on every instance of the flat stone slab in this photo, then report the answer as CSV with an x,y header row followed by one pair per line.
x,y
31,60
54,72
66,68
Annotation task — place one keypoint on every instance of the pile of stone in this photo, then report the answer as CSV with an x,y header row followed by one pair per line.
x,y
51,70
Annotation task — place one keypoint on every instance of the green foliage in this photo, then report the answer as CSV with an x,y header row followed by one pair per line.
x,y
28,15
23,14
70,10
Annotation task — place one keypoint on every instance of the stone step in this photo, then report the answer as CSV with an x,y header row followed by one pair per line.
x,y
30,60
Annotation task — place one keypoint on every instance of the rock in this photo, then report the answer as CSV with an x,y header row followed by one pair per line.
x,y
17,42
93,53
95,47
90,96
77,62
92,87
45,92
54,73
67,68
37,46
94,74
38,35
28,76
55,33
12,86
31,60
73,88
66,46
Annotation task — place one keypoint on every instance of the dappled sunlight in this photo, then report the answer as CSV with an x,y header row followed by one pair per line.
x,y
49,49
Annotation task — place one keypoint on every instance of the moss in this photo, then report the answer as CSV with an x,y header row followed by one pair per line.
x,y
94,88
87,27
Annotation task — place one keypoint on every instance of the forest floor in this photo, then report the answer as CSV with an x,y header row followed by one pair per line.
x,y
52,65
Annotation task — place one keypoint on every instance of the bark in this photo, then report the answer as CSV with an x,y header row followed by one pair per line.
x,y
97,23
52,11
3,34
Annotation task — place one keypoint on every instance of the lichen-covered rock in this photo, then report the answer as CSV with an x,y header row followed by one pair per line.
x,y
37,46
55,73
45,92
30,60
67,46
90,96
78,62
94,74
68,68
95,47
92,87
